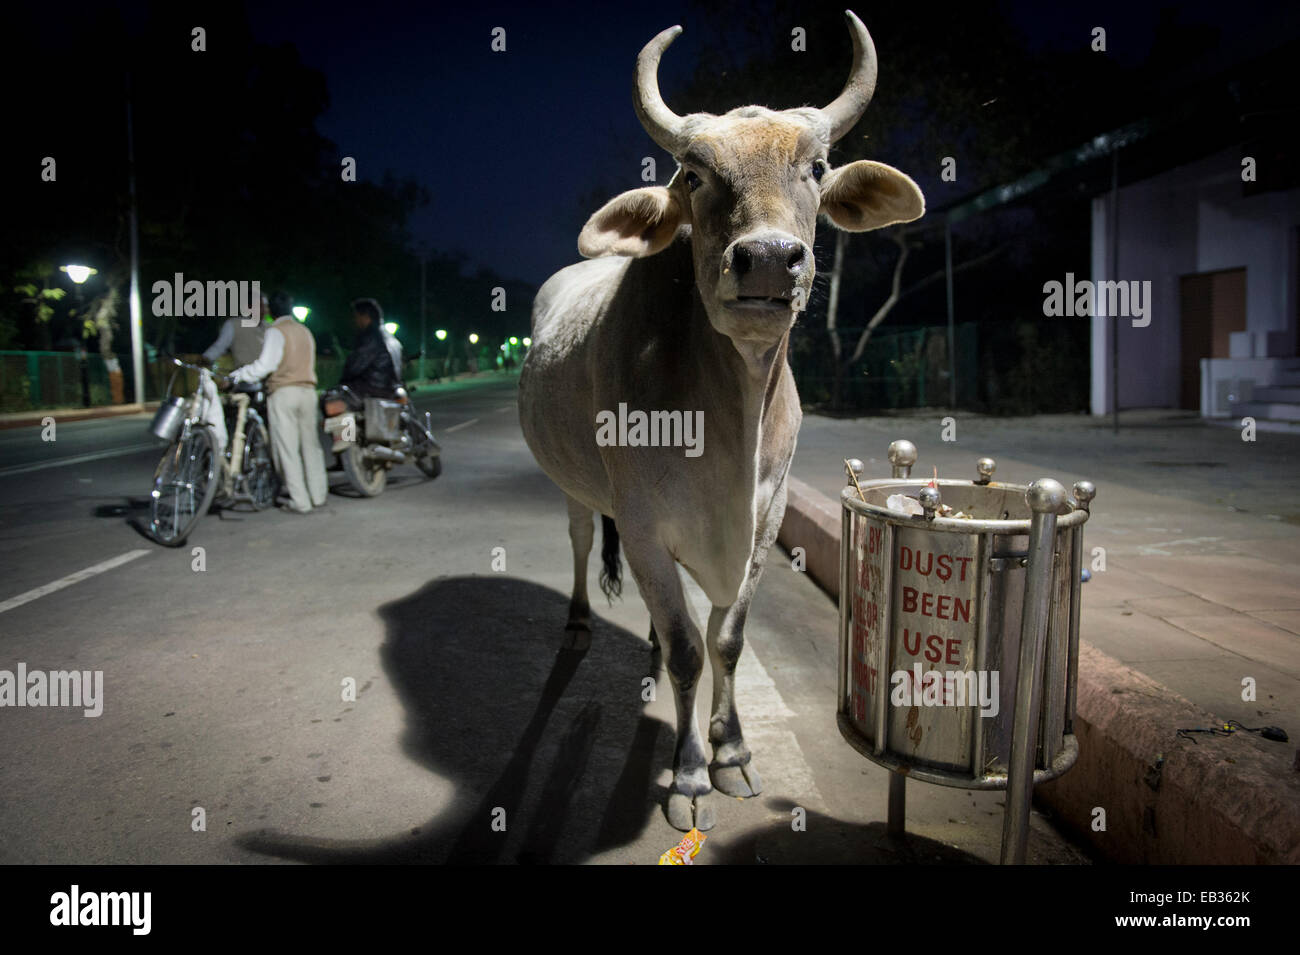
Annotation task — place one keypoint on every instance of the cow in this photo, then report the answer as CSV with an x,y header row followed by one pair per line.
x,y
685,304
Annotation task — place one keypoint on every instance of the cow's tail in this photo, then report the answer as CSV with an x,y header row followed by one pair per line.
x,y
611,569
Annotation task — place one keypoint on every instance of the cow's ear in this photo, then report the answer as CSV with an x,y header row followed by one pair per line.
x,y
868,195
636,224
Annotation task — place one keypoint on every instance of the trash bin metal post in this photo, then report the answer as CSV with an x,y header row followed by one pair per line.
x,y
896,824
1045,497
853,468
1084,492
902,455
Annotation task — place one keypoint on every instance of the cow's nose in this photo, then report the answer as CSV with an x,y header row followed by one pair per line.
x,y
769,255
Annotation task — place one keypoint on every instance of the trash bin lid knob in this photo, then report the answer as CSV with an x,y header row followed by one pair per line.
x,y
930,501
1084,492
1045,496
902,453
986,467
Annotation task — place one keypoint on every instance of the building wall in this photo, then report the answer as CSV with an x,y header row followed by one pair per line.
x,y
1190,219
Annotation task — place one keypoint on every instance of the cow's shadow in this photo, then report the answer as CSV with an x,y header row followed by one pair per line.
x,y
553,741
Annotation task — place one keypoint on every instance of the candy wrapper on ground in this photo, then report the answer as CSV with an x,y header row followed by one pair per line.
x,y
684,851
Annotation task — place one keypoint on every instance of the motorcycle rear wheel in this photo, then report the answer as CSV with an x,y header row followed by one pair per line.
x,y
369,477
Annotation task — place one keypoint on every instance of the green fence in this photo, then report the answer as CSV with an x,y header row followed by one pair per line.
x,y
36,380
900,368
49,379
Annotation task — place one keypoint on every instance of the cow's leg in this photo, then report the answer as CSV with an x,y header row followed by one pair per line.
x,y
581,535
683,652
732,771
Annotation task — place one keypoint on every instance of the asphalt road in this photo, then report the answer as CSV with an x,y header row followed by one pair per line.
x,y
224,686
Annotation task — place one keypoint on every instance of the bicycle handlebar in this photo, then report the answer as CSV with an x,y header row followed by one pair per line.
x,y
213,372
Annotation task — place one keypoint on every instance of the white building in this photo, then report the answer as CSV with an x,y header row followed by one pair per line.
x,y
1223,260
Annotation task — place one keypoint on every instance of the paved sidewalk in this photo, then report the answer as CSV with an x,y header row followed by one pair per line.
x,y
1201,532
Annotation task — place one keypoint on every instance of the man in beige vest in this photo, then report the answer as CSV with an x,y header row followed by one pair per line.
x,y
288,362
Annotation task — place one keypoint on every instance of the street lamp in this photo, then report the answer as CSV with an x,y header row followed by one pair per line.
x,y
440,334
528,343
391,327
78,273
473,338
301,312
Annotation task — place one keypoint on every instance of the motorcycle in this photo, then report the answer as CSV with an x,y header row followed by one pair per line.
x,y
373,435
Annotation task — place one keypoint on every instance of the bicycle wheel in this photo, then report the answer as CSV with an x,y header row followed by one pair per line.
x,y
184,484
262,481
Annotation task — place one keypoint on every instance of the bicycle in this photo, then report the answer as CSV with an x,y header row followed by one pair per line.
x,y
188,476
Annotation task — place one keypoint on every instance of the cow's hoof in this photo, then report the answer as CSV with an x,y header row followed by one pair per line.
x,y
689,812
739,781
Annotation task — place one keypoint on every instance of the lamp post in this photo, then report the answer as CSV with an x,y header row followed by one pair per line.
x,y
137,332
441,335
79,274
423,315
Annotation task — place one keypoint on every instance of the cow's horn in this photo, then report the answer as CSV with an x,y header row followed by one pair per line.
x,y
663,125
847,108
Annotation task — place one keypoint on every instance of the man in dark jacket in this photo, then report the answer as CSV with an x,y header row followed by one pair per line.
x,y
370,370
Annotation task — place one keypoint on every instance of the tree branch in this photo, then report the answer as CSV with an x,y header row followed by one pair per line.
x,y
895,296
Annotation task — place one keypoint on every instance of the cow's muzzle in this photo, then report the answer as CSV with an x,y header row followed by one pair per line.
x,y
762,271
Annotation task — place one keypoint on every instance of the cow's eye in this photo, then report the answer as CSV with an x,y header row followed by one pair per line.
x,y
692,181
819,169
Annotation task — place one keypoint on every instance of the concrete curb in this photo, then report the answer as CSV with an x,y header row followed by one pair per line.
x,y
1217,801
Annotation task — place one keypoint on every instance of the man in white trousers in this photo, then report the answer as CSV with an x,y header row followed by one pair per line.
x,y
288,362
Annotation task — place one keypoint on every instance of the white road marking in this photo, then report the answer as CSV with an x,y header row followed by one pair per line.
x,y
505,408
79,459
71,579
463,424
764,714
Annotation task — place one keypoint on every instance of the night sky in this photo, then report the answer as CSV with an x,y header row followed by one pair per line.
x,y
511,146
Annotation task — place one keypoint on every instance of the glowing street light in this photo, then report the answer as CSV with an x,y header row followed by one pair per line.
x,y
473,338
391,327
513,340
78,273
528,343
440,334
301,312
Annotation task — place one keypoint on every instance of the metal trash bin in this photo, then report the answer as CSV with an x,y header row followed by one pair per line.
x,y
959,631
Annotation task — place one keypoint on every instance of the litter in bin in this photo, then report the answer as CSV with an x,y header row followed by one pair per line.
x,y
904,504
